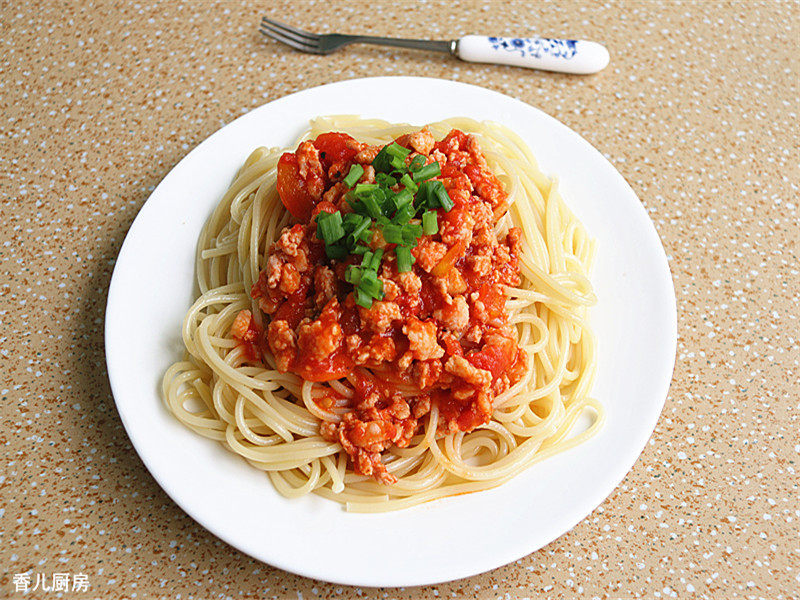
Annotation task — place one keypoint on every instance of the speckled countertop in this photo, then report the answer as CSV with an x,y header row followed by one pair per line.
x,y
698,110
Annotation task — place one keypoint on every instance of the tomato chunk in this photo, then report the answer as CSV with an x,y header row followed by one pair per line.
x,y
496,359
292,188
335,148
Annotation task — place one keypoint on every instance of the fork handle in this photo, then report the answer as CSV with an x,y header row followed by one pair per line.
x,y
564,56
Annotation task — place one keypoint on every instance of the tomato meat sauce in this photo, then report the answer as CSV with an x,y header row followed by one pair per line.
x,y
440,330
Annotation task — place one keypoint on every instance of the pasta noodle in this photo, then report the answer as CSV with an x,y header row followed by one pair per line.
x,y
271,418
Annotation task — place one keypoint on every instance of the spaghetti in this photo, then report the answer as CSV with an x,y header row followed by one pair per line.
x,y
257,405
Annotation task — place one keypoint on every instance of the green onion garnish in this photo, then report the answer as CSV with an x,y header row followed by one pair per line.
x,y
397,151
397,162
403,198
392,234
404,259
383,161
366,261
356,171
329,227
416,163
402,216
444,198
363,189
370,284
433,194
385,180
405,214
372,206
376,260
410,233
361,232
428,172
408,182
363,298
353,274
430,223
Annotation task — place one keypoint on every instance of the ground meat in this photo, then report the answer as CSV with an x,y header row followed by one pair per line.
x,y
428,253
421,406
334,194
376,351
461,367
474,334
456,230
390,289
422,141
241,326
324,285
481,261
422,339
367,155
455,316
410,282
318,339
282,342
290,279
426,373
310,169
380,316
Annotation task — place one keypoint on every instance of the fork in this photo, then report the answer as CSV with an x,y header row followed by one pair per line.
x,y
549,54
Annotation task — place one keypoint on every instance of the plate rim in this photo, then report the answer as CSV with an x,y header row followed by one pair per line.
x,y
623,467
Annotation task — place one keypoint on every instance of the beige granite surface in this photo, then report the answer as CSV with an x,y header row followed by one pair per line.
x,y
698,110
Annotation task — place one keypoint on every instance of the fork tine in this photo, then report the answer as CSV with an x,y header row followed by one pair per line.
x,y
288,41
288,29
289,35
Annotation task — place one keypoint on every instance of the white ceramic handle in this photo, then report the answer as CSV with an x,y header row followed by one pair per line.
x,y
565,56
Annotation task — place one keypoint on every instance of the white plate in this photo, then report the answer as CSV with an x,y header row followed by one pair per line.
x,y
635,322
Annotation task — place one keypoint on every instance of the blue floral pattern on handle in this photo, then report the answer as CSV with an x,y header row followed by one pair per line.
x,y
536,47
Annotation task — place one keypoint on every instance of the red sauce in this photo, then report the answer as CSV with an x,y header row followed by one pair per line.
x,y
441,330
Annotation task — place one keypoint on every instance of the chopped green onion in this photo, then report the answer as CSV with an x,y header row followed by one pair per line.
x,y
430,223
425,196
397,162
353,220
385,180
405,214
329,227
403,198
410,234
364,189
444,198
361,231
363,298
428,172
392,234
376,259
416,163
360,249
408,182
372,206
356,171
366,261
383,160
433,194
404,259
397,151
370,284
353,274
